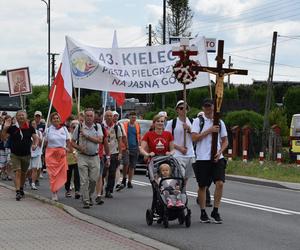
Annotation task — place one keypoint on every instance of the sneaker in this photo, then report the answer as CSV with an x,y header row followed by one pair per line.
x,y
129,185
119,187
41,176
108,195
99,200
22,193
54,196
216,218
204,218
179,203
18,196
91,203
33,187
77,195
86,204
68,194
170,203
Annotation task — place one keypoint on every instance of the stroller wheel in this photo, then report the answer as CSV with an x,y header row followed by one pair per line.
x,y
166,221
149,217
188,220
181,218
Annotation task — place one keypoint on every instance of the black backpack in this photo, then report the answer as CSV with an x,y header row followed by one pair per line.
x,y
95,127
174,121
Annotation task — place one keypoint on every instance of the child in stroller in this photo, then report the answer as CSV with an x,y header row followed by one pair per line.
x,y
169,187
169,201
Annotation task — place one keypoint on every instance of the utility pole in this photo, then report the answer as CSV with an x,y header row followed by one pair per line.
x,y
269,93
163,97
53,55
49,40
150,35
229,66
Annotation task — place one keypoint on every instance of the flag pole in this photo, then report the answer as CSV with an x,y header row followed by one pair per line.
x,y
47,121
78,107
105,103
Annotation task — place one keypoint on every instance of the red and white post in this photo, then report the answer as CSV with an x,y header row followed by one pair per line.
x,y
229,154
261,158
298,161
245,156
279,158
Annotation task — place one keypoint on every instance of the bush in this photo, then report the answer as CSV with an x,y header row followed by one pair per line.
x,y
279,117
292,102
244,117
196,96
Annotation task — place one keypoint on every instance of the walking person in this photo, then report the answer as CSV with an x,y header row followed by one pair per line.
x,y
35,160
40,126
157,141
57,142
104,161
133,132
72,166
179,126
206,169
23,139
114,143
86,139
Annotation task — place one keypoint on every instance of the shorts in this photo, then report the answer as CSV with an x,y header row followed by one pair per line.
x,y
188,165
35,162
133,157
20,162
207,171
3,158
125,158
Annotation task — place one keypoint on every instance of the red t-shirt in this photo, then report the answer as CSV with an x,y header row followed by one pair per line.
x,y
159,144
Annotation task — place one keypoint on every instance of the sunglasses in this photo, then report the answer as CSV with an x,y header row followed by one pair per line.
x,y
182,108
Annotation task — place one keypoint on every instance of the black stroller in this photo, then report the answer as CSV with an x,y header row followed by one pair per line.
x,y
159,211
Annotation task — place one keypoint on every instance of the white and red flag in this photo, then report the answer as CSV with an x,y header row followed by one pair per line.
x,y
62,89
118,96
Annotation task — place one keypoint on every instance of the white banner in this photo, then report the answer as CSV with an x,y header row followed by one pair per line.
x,y
130,70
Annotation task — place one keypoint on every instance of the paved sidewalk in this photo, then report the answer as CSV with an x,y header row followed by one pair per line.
x,y
33,224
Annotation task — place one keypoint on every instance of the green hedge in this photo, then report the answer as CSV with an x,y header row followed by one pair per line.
x,y
244,117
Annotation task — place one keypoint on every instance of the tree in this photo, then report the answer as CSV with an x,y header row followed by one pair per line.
x,y
178,19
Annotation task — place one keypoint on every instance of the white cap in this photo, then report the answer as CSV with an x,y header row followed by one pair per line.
x,y
115,113
179,103
163,113
38,113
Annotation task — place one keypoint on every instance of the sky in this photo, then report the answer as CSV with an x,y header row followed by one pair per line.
x,y
246,26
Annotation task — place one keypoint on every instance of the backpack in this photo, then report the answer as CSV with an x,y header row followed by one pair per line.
x,y
95,127
174,121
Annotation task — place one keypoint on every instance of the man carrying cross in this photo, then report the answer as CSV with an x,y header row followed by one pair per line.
x,y
212,138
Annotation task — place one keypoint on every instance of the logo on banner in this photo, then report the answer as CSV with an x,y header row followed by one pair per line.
x,y
82,64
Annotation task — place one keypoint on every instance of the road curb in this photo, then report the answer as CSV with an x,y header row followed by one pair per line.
x,y
264,182
98,222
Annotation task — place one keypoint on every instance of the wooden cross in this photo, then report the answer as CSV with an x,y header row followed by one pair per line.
x,y
184,52
220,72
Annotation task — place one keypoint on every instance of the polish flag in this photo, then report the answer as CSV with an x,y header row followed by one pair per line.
x,y
119,97
62,100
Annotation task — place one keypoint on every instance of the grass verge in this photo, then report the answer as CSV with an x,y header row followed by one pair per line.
x,y
269,170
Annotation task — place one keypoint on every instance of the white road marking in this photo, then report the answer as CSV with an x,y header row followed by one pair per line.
x,y
237,202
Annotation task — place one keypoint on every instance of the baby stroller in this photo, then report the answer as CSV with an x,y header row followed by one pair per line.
x,y
159,211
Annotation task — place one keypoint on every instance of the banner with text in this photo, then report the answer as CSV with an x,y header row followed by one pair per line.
x,y
131,70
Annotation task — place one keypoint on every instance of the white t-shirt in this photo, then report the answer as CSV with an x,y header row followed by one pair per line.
x,y
57,138
203,147
179,137
38,151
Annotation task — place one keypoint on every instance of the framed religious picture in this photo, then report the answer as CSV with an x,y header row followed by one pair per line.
x,y
19,81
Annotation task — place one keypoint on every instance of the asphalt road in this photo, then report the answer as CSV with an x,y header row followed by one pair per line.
x,y
255,217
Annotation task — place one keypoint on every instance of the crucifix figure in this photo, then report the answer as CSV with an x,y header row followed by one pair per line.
x,y
220,73
183,69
